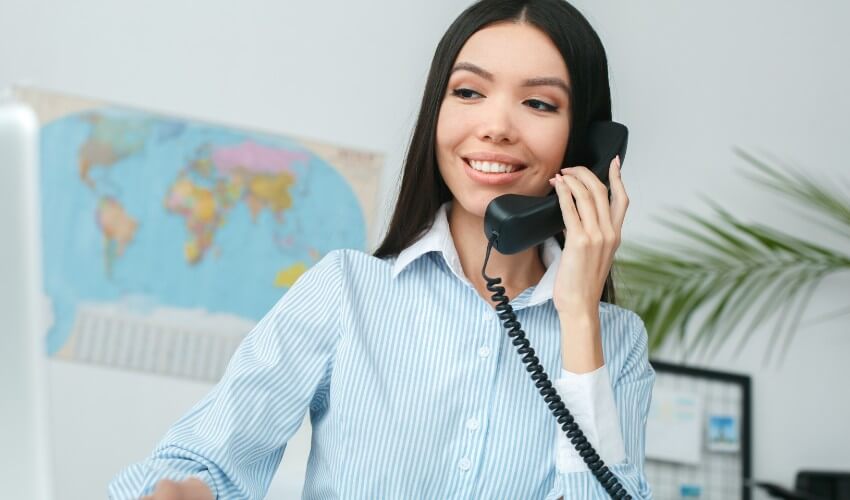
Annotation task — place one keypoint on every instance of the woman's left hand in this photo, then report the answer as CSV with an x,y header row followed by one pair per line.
x,y
592,236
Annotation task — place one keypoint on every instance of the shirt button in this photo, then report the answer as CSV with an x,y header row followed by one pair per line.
x,y
483,351
472,424
464,464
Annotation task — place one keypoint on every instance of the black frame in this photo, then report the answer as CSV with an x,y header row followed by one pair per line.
x,y
745,382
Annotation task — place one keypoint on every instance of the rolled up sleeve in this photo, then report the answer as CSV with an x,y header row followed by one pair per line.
x,y
612,414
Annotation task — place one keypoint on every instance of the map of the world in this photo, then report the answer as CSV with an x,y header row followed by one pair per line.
x,y
148,216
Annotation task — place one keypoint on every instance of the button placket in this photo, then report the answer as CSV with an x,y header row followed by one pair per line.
x,y
488,318
473,424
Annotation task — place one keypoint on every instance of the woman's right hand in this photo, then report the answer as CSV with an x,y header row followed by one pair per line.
x,y
188,489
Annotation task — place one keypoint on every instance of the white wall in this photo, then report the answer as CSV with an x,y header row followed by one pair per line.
x,y
690,79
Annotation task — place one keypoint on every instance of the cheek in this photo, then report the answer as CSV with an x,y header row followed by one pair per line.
x,y
549,144
449,128
446,142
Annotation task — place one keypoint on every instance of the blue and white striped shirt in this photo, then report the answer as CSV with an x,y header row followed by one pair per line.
x,y
413,388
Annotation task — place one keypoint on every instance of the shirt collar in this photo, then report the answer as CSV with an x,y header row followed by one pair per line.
x,y
438,238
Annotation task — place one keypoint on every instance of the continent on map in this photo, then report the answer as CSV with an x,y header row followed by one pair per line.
x,y
287,277
200,208
110,141
221,177
266,173
117,227
269,191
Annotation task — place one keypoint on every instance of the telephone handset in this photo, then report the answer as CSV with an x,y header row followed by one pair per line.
x,y
518,222
513,223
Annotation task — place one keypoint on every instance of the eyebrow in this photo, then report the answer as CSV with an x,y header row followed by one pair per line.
x,y
531,82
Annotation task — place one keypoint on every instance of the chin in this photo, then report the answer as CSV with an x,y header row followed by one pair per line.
x,y
475,206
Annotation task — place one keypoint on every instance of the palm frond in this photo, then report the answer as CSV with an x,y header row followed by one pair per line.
x,y
825,200
726,270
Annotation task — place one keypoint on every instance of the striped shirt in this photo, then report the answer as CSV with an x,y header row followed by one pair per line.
x,y
414,391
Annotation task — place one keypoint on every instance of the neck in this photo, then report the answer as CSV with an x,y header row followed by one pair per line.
x,y
518,271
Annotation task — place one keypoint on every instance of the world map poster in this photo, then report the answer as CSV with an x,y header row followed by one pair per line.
x,y
166,239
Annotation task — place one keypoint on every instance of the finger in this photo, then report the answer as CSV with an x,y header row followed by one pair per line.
x,y
167,489
584,204
565,200
619,198
599,194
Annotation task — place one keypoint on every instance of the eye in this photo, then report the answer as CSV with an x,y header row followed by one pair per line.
x,y
464,93
541,106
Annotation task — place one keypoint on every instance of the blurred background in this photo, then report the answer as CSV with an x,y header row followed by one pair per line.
x,y
693,81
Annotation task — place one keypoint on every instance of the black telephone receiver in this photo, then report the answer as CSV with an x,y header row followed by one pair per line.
x,y
518,222
513,223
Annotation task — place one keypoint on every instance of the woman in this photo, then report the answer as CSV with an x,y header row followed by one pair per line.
x,y
413,388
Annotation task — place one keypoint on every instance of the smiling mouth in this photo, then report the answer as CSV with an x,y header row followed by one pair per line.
x,y
493,167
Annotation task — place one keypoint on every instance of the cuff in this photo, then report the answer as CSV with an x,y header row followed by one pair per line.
x,y
590,399
140,479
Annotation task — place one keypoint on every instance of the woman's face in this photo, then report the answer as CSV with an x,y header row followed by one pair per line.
x,y
504,122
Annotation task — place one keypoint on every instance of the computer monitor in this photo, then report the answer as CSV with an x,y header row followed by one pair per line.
x,y
24,443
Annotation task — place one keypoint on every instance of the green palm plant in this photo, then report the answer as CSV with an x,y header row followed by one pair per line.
x,y
725,275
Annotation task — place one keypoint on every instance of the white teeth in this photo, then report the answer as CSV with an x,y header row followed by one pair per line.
x,y
491,167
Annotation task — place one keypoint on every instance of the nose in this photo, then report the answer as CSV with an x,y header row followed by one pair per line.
x,y
497,125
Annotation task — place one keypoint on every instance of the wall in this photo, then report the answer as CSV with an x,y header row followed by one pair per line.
x,y
691,80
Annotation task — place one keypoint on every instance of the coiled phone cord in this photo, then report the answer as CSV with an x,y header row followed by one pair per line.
x,y
568,424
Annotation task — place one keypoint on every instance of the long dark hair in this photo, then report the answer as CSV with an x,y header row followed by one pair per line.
x,y
423,189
